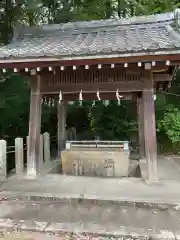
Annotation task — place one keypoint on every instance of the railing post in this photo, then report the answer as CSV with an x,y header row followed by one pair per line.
x,y
19,156
41,158
46,147
27,144
3,160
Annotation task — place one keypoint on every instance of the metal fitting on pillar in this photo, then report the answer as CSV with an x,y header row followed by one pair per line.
x,y
60,97
118,97
80,98
98,95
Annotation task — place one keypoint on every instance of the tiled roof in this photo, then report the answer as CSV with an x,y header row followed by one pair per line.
x,y
134,36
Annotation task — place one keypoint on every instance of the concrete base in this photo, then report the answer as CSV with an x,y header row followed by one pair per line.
x,y
144,173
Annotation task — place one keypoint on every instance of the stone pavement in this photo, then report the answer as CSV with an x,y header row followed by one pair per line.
x,y
61,186
100,207
90,218
29,236
118,189
169,167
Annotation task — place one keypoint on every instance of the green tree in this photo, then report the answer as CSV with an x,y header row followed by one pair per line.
x,y
113,122
170,124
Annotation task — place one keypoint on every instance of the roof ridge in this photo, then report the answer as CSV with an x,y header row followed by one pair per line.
x,y
22,30
145,35
125,21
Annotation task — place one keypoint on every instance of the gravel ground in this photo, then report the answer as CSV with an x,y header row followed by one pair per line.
x,y
44,236
27,236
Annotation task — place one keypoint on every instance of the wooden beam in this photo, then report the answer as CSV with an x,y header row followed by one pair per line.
x,y
150,128
34,128
129,86
159,69
92,96
162,77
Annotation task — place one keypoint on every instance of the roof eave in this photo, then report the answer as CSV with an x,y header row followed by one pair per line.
x,y
91,57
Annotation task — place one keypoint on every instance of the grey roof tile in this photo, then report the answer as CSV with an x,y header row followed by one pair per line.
x,y
134,35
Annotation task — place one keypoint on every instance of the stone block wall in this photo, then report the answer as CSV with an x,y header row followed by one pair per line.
x,y
95,162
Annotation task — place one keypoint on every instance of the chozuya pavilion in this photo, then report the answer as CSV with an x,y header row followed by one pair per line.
x,y
97,60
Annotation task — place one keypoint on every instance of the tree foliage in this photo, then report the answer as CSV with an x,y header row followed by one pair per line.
x,y
170,123
113,121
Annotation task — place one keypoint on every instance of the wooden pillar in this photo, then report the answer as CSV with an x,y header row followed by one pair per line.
x,y
34,127
140,111
150,128
61,132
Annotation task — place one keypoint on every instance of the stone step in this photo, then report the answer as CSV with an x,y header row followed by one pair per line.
x,y
126,192
74,199
107,221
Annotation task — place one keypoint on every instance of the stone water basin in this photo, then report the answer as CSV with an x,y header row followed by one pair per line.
x,y
96,161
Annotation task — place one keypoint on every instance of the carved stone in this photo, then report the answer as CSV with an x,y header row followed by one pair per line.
x,y
92,162
109,167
